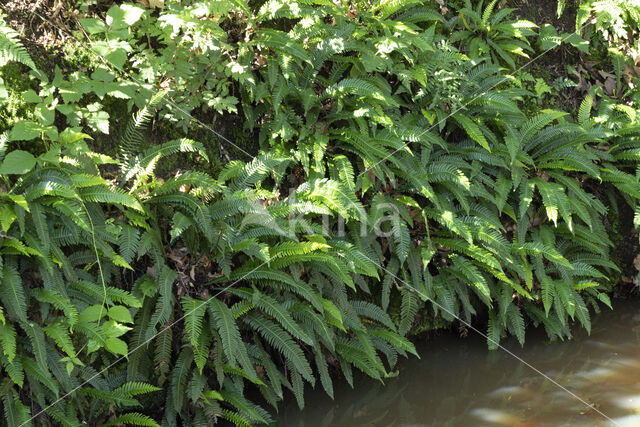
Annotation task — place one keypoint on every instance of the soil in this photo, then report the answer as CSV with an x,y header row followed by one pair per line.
x,y
43,26
39,22
553,63
545,12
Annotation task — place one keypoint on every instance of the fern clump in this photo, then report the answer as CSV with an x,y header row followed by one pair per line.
x,y
403,174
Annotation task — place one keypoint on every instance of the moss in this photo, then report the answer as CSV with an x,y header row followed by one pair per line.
x,y
16,80
77,56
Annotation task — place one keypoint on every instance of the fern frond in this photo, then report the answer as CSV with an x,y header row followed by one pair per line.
x,y
60,302
60,334
280,339
12,293
11,49
135,419
233,346
408,311
274,309
373,312
101,194
128,242
194,311
8,340
133,135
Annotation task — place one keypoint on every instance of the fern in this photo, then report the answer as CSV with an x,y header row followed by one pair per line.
x,y
373,312
386,189
58,332
277,311
58,301
12,294
14,411
134,134
194,311
494,332
408,312
8,341
128,242
133,418
279,339
11,49
233,345
105,195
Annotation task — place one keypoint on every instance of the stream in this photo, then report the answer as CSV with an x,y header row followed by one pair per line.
x,y
458,382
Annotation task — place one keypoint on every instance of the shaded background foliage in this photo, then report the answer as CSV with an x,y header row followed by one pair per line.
x,y
348,174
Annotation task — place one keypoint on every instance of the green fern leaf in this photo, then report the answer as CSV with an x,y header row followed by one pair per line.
x,y
473,130
60,334
13,369
134,388
281,340
408,311
582,312
12,294
8,340
134,133
133,418
128,242
398,341
232,344
274,309
345,172
15,413
470,273
373,312
293,285
516,322
494,331
100,194
58,301
194,311
10,47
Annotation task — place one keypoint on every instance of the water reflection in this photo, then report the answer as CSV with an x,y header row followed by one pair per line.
x,y
459,383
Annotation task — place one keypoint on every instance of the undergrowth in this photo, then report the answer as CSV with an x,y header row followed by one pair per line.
x,y
401,167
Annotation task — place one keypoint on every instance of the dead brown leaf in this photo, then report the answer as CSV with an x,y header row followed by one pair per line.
x,y
353,11
443,8
159,4
610,86
372,175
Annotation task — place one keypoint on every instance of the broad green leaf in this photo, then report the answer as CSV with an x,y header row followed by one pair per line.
x,y
124,16
17,162
25,130
92,25
92,313
116,346
120,313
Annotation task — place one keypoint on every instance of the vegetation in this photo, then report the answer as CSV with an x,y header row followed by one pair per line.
x,y
363,171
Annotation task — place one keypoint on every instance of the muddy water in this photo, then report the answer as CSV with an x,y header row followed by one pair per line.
x,y
457,382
